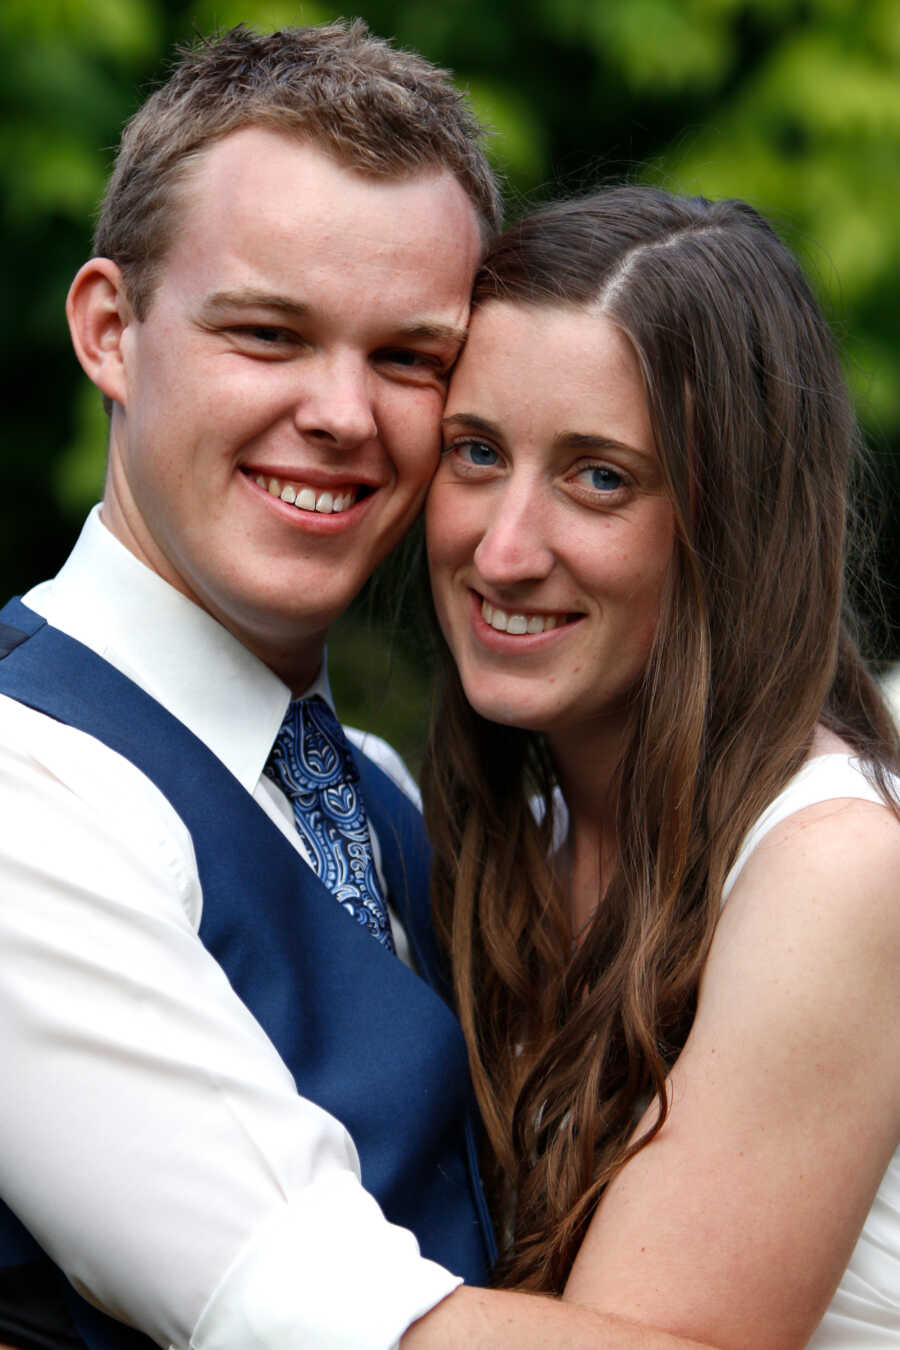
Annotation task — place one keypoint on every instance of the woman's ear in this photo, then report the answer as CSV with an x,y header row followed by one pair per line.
x,y
99,312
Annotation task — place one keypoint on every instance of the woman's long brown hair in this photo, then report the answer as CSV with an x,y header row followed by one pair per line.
x,y
757,441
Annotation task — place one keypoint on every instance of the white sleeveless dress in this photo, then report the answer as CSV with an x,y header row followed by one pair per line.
x,y
865,1311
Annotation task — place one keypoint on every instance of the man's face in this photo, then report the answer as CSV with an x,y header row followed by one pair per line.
x,y
278,421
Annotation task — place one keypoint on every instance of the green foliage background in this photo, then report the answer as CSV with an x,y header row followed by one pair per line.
x,y
792,104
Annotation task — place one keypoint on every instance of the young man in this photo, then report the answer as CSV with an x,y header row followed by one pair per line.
x,y
208,1047
233,1117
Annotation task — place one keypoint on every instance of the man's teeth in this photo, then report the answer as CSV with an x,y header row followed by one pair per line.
x,y
307,498
518,623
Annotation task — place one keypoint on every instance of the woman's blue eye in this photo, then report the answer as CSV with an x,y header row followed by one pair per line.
x,y
478,453
602,478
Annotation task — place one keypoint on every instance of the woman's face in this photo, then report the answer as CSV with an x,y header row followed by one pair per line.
x,y
550,535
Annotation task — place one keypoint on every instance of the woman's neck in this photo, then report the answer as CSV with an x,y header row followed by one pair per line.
x,y
587,765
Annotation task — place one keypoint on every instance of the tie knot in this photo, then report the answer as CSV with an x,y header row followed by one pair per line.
x,y
311,752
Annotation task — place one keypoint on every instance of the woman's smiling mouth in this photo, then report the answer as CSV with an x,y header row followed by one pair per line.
x,y
518,624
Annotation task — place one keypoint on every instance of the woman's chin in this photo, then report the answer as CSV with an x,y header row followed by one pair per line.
x,y
509,713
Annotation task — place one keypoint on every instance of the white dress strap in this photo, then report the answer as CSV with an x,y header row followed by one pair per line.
x,y
822,778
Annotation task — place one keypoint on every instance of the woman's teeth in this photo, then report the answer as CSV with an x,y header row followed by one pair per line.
x,y
518,623
307,498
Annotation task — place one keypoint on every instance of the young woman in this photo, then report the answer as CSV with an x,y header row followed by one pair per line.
x,y
679,974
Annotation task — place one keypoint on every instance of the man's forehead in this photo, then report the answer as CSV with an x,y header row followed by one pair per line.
x,y
280,159
266,221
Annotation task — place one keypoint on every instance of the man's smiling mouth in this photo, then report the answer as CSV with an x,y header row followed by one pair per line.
x,y
306,498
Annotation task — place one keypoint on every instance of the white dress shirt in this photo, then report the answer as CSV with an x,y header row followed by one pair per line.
x,y
151,1138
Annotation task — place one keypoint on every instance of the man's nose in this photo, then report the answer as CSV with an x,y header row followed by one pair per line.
x,y
516,545
336,400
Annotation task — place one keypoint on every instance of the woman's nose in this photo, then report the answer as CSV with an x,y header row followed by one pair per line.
x,y
515,546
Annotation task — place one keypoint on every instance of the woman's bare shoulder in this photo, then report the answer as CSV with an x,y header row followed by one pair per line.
x,y
785,1102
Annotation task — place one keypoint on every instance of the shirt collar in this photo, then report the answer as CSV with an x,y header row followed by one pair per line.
x,y
109,600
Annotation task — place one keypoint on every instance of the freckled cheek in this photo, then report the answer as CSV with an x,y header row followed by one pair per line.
x,y
643,610
412,414
413,475
448,527
451,597
638,572
414,458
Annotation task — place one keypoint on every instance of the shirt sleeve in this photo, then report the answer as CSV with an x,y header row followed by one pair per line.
x,y
155,1143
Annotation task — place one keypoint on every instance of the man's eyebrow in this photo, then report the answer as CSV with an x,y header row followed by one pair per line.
x,y
285,304
440,332
251,299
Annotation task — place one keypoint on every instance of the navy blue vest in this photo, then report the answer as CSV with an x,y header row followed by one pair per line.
x,y
363,1036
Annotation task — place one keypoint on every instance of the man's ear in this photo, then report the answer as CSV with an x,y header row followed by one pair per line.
x,y
99,312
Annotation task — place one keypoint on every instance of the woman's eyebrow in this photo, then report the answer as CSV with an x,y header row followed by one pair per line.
x,y
472,421
591,442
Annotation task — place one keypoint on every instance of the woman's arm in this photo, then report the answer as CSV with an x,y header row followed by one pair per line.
x,y
488,1319
735,1224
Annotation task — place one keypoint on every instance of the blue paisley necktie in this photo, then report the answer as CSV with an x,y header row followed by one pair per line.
x,y
311,761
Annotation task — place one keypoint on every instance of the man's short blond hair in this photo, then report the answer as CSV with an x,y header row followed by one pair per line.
x,y
373,107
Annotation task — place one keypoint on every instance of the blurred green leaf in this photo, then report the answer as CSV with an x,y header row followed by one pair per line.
x,y
45,176
830,90
661,46
873,370
81,468
517,146
882,20
127,29
208,16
